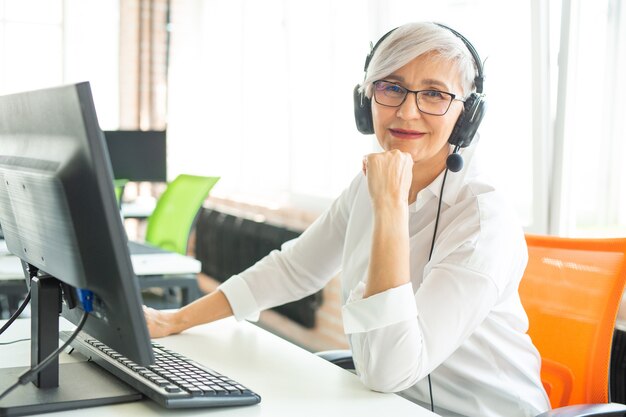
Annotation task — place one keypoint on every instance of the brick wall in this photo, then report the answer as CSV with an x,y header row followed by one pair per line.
x,y
143,64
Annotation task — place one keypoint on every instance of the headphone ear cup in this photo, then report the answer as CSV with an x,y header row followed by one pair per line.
x,y
469,121
363,112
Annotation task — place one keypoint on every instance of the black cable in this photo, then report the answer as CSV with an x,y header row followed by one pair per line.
x,y
14,341
432,244
29,375
432,247
17,313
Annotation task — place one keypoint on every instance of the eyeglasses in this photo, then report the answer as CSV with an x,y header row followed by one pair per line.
x,y
432,102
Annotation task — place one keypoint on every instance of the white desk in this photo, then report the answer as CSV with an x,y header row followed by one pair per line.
x,y
10,267
154,268
169,263
138,210
155,262
290,380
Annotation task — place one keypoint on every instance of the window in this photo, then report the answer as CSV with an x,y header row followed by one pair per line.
x,y
264,98
46,43
32,44
590,126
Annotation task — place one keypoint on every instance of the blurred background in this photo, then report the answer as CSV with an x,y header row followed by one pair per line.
x,y
259,92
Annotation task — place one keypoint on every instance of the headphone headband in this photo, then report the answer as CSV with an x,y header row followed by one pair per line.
x,y
480,77
368,58
478,80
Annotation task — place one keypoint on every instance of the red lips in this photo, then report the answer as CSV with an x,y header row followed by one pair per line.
x,y
406,134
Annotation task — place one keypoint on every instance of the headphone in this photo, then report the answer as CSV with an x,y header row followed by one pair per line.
x,y
467,124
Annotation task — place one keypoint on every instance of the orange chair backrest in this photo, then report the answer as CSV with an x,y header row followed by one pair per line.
x,y
571,291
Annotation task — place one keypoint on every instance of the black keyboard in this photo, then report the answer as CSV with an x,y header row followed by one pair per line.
x,y
174,381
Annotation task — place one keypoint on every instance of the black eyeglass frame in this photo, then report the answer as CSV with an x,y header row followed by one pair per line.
x,y
417,103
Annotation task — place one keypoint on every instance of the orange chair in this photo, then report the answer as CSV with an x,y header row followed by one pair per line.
x,y
571,291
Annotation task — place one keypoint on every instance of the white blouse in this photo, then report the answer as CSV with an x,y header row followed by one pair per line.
x,y
459,319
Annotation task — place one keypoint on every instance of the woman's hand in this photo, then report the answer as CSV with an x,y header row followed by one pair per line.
x,y
161,323
389,176
211,307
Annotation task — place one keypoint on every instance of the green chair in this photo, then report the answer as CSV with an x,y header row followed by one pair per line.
x,y
171,221
119,185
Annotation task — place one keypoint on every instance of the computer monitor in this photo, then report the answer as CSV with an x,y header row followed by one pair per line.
x,y
59,214
138,155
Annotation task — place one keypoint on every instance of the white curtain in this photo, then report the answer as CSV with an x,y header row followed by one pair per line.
x,y
590,131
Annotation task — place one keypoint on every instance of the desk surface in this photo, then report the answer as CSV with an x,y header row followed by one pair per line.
x,y
145,260
290,380
10,268
150,260
141,209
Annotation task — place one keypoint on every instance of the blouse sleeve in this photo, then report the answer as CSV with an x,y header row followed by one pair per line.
x,y
301,267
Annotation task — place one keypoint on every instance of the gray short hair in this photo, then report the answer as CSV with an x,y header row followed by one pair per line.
x,y
412,40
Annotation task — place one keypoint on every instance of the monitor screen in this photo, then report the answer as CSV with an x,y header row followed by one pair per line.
x,y
137,155
58,210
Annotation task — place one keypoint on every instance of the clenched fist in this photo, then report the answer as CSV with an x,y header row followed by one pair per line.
x,y
389,176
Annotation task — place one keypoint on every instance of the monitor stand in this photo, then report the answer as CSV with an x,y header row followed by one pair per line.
x,y
57,387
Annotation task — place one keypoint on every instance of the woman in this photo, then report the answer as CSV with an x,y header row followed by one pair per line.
x,y
446,318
